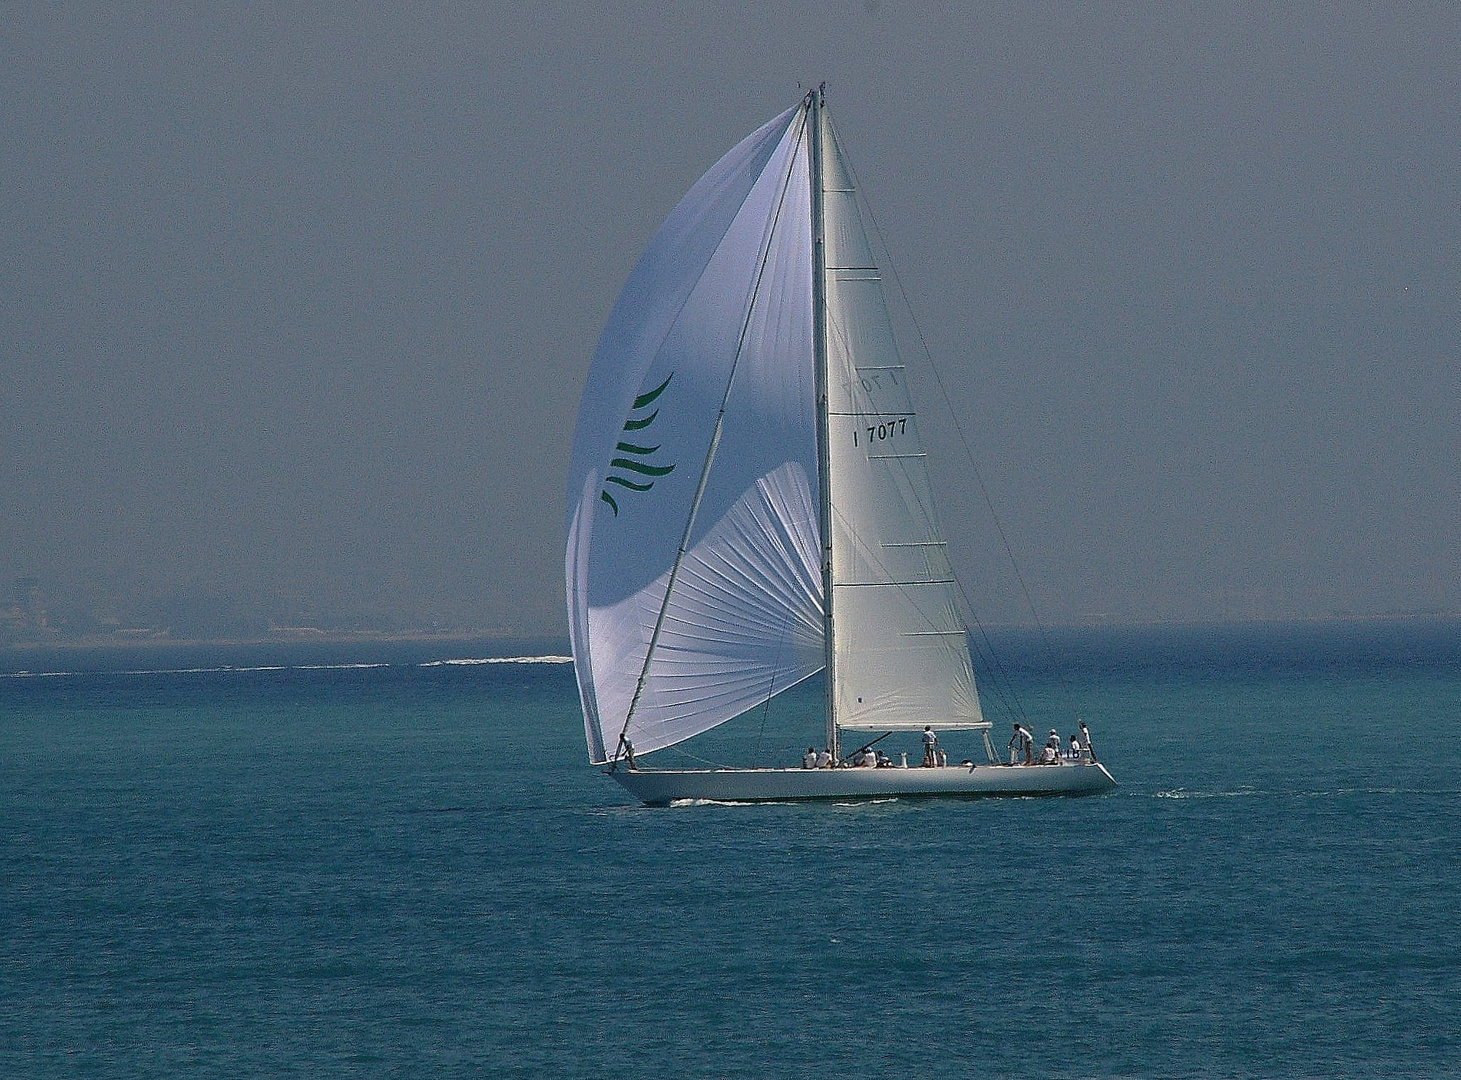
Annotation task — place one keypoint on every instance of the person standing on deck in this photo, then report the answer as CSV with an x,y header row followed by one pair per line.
x,y
1086,741
930,747
1021,743
1075,748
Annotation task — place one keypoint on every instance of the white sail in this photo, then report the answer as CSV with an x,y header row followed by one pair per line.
x,y
901,651
749,498
700,403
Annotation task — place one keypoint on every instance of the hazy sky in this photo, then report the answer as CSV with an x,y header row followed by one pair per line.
x,y
296,301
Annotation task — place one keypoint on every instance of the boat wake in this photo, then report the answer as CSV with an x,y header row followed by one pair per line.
x,y
1184,793
1296,793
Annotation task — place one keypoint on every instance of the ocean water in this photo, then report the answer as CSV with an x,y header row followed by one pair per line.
x,y
275,863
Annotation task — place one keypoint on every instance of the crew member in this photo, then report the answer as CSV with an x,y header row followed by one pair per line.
x,y
930,747
1022,743
1051,753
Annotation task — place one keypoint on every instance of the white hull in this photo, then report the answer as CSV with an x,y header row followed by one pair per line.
x,y
662,787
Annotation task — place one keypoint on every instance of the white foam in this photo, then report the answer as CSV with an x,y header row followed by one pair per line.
x,y
198,670
469,661
337,667
1183,793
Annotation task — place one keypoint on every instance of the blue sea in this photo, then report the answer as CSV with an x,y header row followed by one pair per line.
x,y
359,860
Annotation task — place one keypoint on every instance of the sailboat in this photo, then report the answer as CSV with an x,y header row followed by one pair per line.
x,y
749,499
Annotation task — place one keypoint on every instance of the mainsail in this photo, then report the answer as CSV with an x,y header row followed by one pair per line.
x,y
902,653
694,559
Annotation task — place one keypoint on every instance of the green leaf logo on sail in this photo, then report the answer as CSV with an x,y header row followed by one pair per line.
x,y
632,469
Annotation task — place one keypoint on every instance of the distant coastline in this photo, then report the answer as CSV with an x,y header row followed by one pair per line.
x,y
501,637
387,649
292,636
1150,649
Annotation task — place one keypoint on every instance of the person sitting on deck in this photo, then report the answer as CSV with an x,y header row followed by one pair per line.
x,y
809,759
930,747
824,759
1052,747
1049,755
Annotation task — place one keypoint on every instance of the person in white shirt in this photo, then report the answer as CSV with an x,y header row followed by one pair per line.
x,y
1086,741
1075,748
809,759
824,759
930,747
1022,744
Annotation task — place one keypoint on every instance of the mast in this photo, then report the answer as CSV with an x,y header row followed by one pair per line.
x,y
817,102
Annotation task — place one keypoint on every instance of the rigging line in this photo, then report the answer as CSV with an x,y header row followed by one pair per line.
x,y
764,257
1011,701
770,689
695,757
968,453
